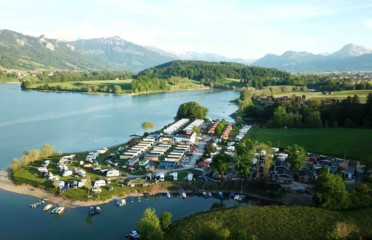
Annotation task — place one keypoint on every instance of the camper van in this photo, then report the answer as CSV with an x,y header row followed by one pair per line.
x,y
160,176
99,183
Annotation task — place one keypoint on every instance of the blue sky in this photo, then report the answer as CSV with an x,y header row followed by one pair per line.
x,y
245,29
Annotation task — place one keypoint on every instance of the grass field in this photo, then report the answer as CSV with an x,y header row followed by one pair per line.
x,y
362,94
230,83
276,222
331,141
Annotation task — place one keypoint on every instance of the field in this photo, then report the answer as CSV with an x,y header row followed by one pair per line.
x,y
362,94
275,222
230,83
126,85
356,143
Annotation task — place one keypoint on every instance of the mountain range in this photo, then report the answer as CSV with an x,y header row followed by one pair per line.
x,y
349,58
19,51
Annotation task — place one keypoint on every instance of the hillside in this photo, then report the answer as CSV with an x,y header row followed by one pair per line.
x,y
118,54
274,222
18,51
210,71
349,58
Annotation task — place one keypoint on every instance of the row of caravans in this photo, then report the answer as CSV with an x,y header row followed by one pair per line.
x,y
177,154
138,149
158,151
242,132
175,126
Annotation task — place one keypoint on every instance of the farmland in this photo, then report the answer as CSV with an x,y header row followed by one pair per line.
x,y
332,141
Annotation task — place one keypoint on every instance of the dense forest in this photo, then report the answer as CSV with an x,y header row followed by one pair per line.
x,y
209,72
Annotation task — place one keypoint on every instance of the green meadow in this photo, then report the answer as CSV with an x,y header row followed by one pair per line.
x,y
352,142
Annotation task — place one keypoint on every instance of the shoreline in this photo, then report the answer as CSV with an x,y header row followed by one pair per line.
x,y
7,184
120,94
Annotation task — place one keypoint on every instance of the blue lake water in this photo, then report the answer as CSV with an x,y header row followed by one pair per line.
x,y
79,122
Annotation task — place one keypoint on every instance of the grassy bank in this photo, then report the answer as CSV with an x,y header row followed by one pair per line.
x,y
277,222
330,141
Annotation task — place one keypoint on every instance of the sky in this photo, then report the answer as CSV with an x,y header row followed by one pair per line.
x,y
246,29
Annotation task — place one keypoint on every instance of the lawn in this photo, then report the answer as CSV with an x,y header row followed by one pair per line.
x,y
230,83
276,222
362,94
356,143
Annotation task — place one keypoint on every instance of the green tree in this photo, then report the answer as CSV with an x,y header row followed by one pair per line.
x,y
312,119
191,110
220,163
330,192
297,158
16,164
245,151
117,89
149,226
196,130
166,220
147,125
46,151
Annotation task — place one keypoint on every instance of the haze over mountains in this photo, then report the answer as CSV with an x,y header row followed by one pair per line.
x,y
19,51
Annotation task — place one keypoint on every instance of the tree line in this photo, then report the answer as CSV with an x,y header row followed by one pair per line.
x,y
297,112
31,156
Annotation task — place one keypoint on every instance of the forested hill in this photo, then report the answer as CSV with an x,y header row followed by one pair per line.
x,y
210,71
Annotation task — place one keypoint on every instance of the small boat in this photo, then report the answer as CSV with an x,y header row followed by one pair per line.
x,y
220,195
183,195
54,210
232,194
60,210
239,198
205,195
133,234
209,194
120,202
34,205
168,195
139,199
48,207
94,210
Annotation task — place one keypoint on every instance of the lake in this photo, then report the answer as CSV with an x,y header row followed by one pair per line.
x,y
79,122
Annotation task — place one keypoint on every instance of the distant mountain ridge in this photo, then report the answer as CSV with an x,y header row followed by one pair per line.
x,y
21,51
349,58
